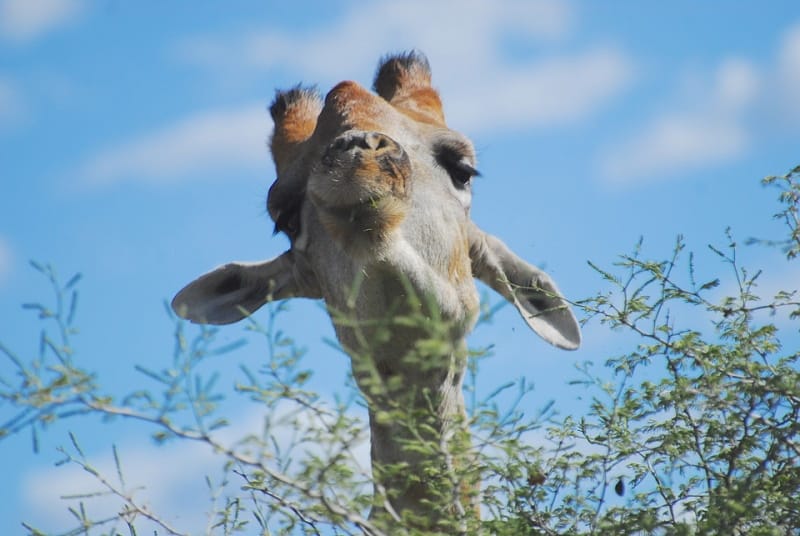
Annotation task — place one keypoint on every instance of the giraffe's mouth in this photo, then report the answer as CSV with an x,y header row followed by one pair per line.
x,y
362,224
368,213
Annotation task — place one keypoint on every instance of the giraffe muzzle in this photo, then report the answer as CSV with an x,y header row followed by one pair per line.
x,y
357,145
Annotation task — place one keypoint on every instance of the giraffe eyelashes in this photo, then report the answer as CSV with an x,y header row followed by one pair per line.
x,y
461,172
457,164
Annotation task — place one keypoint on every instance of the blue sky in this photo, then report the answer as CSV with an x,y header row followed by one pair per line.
x,y
132,150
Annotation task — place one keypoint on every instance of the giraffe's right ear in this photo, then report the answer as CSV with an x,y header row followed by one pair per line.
x,y
233,291
530,289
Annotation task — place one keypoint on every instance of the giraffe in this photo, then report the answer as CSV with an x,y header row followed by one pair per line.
x,y
374,192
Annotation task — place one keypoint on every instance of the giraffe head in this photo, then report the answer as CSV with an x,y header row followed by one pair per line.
x,y
374,189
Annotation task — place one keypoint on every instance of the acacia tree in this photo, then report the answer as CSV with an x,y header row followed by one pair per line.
x,y
695,430
698,426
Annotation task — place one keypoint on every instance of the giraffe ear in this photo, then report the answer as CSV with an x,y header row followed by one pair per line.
x,y
531,290
237,289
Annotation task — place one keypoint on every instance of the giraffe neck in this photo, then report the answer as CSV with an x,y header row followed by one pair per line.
x,y
408,352
420,441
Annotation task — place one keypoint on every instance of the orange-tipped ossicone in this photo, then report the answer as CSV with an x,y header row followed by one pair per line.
x,y
295,113
405,81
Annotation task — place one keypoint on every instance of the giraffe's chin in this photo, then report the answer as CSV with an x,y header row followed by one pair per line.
x,y
362,228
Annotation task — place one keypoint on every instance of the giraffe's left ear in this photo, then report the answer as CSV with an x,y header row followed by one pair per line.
x,y
531,290
233,291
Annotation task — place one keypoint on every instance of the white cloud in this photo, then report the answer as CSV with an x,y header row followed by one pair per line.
x,y
467,47
547,93
466,36
737,86
789,70
709,129
789,54
523,93
215,140
674,144
741,106
25,20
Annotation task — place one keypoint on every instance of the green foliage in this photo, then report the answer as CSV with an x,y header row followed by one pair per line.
x,y
701,420
789,214
694,430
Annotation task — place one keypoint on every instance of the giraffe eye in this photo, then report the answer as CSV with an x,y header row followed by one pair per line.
x,y
457,166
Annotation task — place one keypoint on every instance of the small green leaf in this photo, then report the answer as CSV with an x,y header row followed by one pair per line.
x,y
710,284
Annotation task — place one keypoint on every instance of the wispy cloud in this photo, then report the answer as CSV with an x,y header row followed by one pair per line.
x,y
524,93
708,131
468,48
716,123
542,94
466,37
788,71
25,20
222,140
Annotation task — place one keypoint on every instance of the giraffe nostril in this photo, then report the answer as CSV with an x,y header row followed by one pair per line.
x,y
366,141
363,141
376,141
